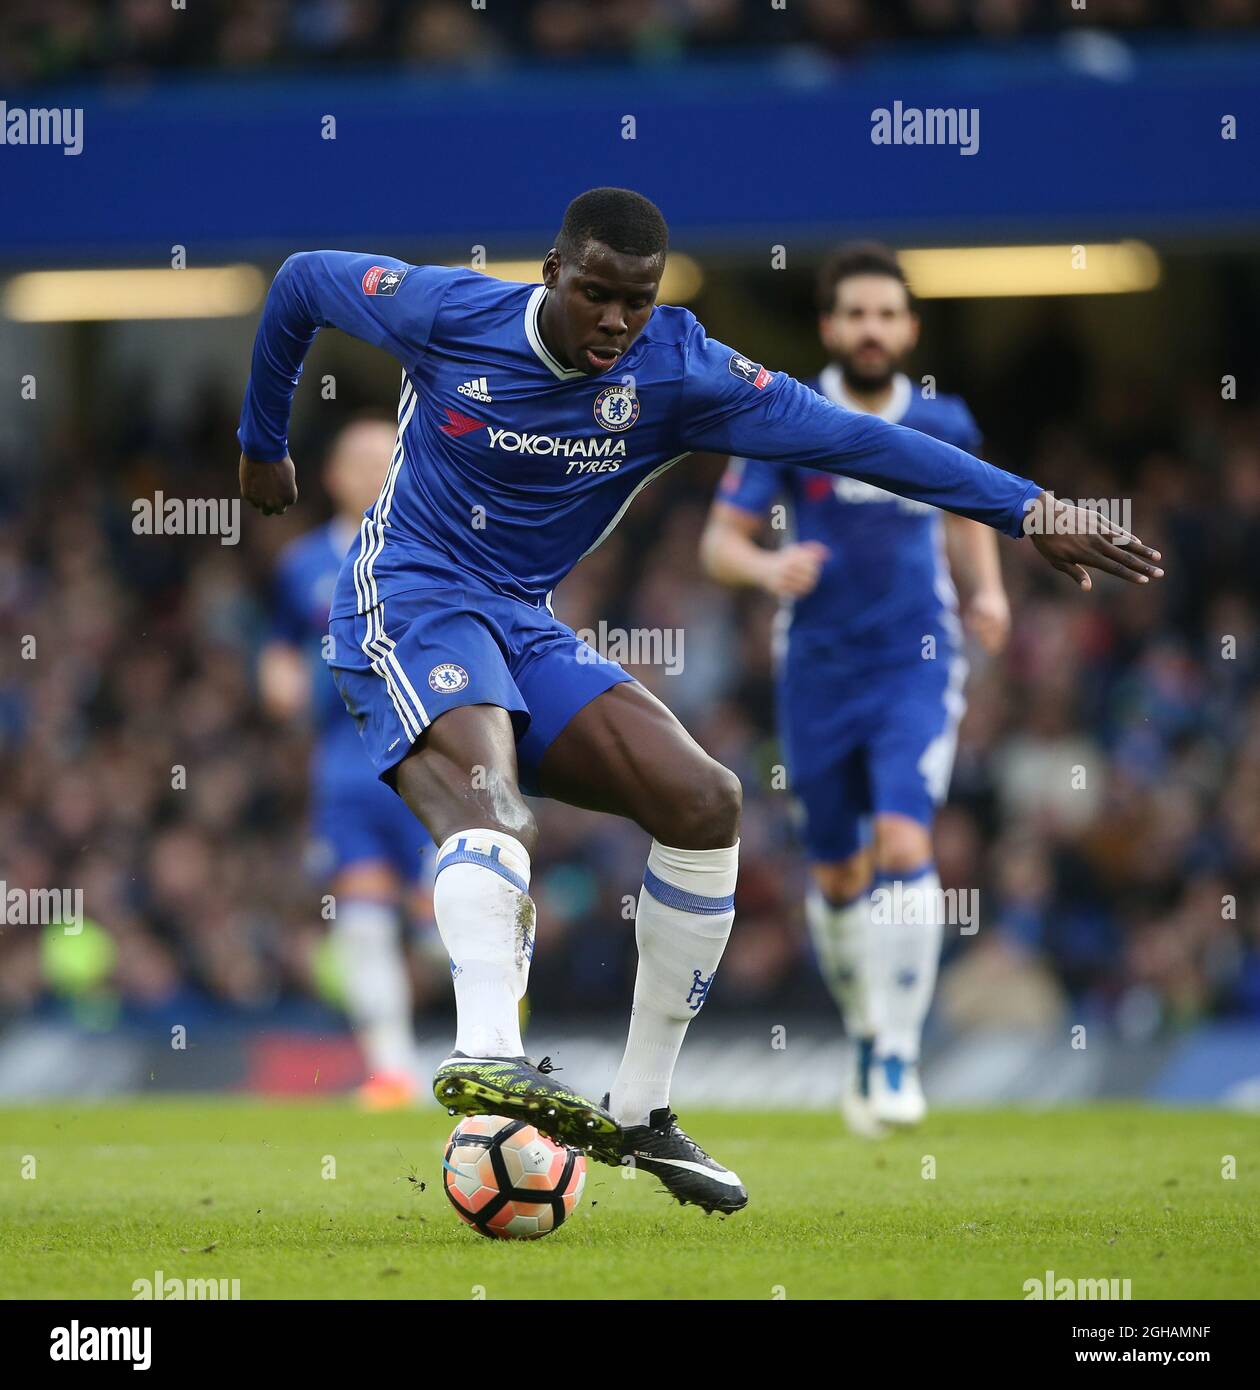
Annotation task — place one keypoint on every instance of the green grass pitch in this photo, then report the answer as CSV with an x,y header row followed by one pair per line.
x,y
230,1189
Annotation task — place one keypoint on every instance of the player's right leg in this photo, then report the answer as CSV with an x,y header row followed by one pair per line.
x,y
451,755
460,780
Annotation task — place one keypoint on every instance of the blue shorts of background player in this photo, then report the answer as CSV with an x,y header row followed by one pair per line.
x,y
429,650
359,824
881,743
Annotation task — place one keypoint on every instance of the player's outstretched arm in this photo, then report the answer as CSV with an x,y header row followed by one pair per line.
x,y
378,299
732,406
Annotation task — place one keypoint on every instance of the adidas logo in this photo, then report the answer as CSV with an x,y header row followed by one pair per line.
x,y
477,390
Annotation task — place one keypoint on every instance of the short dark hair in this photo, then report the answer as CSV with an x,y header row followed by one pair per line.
x,y
618,218
858,258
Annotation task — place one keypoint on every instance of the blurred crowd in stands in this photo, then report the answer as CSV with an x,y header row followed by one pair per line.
x,y
1106,799
47,40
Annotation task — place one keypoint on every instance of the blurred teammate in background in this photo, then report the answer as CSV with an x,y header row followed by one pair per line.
x,y
364,838
871,676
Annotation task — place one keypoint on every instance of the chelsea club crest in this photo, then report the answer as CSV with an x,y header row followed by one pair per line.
x,y
617,407
448,679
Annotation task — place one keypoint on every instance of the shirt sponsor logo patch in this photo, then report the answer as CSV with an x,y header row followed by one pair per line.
x,y
751,372
379,280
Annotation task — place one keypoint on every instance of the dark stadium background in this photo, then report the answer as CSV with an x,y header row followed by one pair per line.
x,y
459,128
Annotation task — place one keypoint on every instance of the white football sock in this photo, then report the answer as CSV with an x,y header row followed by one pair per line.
x,y
907,925
486,920
681,926
840,933
367,940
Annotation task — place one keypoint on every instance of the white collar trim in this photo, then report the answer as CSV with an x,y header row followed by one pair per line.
x,y
536,342
831,379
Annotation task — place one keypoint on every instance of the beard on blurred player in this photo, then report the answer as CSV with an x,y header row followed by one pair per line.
x,y
868,325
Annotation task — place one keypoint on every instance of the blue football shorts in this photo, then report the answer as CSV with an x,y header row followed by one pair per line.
x,y
420,653
878,743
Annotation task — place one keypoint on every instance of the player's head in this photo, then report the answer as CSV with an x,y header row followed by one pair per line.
x,y
867,320
357,461
602,276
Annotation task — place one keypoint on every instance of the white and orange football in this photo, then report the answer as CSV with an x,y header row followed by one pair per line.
x,y
509,1181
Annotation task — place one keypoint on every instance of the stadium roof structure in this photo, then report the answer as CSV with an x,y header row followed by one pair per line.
x,y
1060,140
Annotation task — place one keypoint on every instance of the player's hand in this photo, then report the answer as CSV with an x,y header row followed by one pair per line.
x,y
793,570
271,487
1075,540
987,618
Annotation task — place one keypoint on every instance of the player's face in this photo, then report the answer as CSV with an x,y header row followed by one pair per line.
x,y
871,329
597,304
357,465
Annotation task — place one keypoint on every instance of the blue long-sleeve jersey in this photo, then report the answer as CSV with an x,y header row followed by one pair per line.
x,y
885,585
510,467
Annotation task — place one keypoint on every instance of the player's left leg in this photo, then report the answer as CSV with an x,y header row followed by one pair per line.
x,y
626,754
367,938
911,760
365,840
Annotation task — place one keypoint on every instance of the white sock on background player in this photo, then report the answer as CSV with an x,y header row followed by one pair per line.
x,y
907,925
840,933
367,939
686,908
485,917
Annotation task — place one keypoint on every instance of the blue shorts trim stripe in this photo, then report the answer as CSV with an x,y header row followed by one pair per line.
x,y
669,896
379,650
461,854
377,646
372,529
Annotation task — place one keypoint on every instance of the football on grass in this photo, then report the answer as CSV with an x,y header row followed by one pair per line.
x,y
508,1180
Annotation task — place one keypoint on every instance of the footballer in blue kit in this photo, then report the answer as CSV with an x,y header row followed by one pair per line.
x,y
529,418
364,844
870,675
